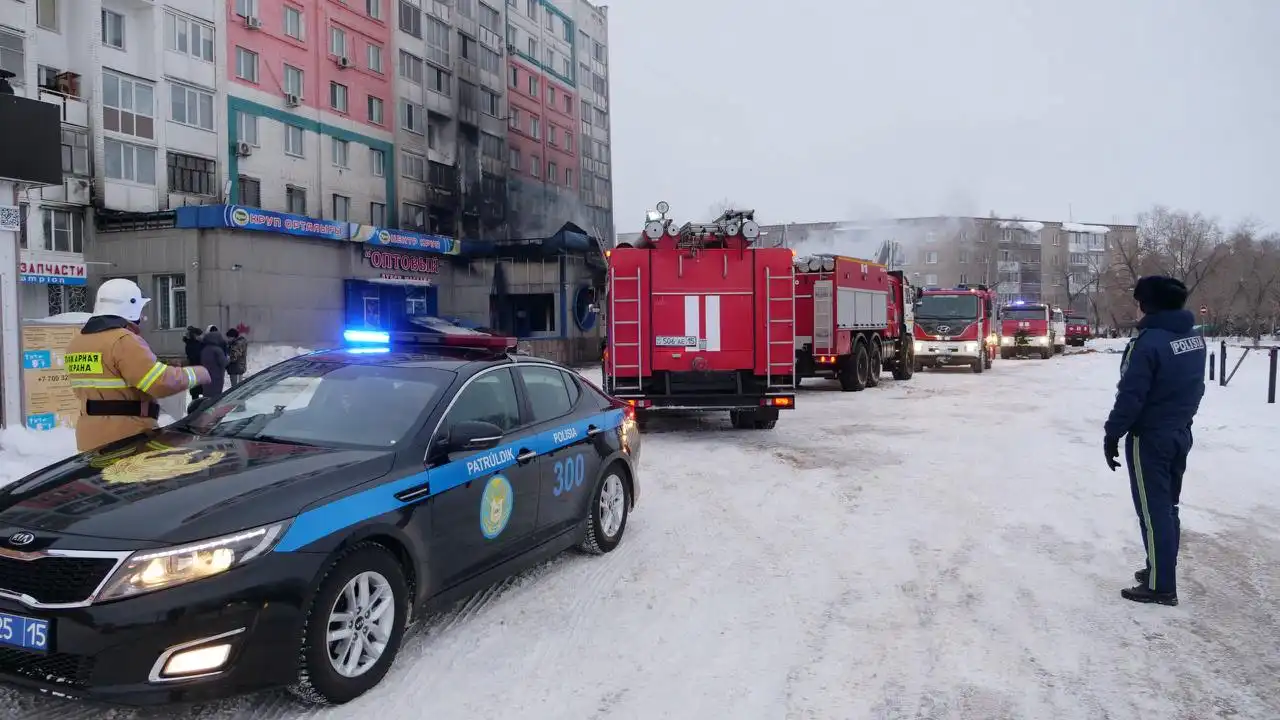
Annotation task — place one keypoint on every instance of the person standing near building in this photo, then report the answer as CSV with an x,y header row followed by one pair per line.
x,y
213,356
114,375
1161,385
237,356
192,346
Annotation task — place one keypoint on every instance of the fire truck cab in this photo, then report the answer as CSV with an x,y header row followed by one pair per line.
x,y
853,321
1077,330
701,319
957,326
1027,328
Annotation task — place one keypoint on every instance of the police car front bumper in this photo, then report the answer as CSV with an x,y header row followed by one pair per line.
x,y
943,352
118,652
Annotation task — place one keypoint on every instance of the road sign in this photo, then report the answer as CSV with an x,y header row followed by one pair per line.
x,y
1204,309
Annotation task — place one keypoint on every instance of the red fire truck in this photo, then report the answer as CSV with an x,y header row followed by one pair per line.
x,y
853,321
1077,329
1026,328
701,319
956,326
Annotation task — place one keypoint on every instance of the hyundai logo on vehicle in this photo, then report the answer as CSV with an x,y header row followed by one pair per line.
x,y
21,539
944,329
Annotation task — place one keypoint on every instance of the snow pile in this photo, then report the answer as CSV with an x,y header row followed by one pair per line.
x,y
24,451
1090,229
262,357
1030,226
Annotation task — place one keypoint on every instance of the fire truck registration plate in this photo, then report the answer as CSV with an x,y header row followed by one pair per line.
x,y
675,341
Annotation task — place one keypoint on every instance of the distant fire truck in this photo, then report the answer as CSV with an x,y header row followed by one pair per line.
x,y
853,321
700,319
1078,332
957,326
1027,328
1058,330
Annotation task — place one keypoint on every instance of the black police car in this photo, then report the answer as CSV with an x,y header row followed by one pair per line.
x,y
283,535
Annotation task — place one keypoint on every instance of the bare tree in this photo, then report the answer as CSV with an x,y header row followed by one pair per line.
x,y
1187,246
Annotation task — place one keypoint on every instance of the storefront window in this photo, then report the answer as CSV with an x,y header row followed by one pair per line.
x,y
171,302
68,298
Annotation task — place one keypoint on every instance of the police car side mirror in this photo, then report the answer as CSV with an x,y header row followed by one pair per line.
x,y
471,435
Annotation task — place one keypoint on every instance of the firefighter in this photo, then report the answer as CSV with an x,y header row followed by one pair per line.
x,y
1161,384
115,376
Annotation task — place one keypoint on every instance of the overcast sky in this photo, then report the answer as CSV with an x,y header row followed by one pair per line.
x,y
811,110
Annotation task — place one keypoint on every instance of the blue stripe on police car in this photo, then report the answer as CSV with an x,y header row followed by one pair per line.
x,y
354,509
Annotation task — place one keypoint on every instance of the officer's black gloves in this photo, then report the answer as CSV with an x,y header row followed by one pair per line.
x,y
1111,449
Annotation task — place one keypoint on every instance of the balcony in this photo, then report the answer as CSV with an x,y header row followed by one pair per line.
x,y
467,71
1008,266
492,166
438,10
491,39
437,103
466,26
439,57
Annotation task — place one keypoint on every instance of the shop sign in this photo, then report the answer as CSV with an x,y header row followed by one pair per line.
x,y
406,240
238,217
243,218
398,262
51,272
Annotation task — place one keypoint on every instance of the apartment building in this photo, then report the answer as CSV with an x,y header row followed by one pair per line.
x,y
558,123
310,103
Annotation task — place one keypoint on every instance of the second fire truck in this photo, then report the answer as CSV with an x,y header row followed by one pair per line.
x,y
1027,328
957,327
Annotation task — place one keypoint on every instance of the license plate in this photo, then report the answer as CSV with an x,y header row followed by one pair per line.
x,y
24,632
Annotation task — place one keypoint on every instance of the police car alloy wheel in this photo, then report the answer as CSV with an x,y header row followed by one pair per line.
x,y
609,511
354,627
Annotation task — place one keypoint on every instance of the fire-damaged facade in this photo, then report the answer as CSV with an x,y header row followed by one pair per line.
x,y
294,280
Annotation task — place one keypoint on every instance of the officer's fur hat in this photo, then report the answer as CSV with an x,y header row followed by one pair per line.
x,y
1158,292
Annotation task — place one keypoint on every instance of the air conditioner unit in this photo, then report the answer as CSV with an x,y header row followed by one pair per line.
x,y
252,22
292,100
77,191
344,62
243,149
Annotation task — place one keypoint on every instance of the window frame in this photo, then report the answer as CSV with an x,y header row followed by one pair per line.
x,y
122,81
74,230
572,398
302,140
130,150
167,318
187,91
108,14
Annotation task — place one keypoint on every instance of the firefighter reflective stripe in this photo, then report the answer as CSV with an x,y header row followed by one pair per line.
x,y
713,323
693,319
99,383
157,372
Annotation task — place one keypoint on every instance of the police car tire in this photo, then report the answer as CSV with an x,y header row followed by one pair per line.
x,y
317,682
596,542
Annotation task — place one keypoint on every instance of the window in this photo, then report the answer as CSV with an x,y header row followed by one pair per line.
x,y
295,199
171,302
549,21
68,298
246,65
551,135
551,95
341,207
490,61
489,103
535,128
13,55
340,150
376,111
599,85
411,67
375,58
192,175
413,217
294,141
567,67
931,258
250,191
377,213
438,81
247,128
337,41
586,113
515,77
531,8
293,80
598,52
190,106
491,145
568,177
515,159
189,37
75,152
466,8
128,106
931,280
64,231
490,19
133,163
377,162
293,26
410,19
553,172
535,166
438,37
538,311
247,8
338,97
47,14
964,257
466,47
373,8
513,119
413,166
113,29
568,141
411,116
602,118
490,398
533,48
549,398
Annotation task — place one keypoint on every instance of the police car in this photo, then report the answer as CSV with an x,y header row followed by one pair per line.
x,y
285,534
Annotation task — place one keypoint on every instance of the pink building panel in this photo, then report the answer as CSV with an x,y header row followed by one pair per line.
x,y
314,54
548,107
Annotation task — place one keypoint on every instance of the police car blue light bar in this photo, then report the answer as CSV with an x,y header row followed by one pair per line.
x,y
366,337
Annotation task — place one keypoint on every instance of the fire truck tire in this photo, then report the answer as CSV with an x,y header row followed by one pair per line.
x,y
877,365
907,364
986,357
980,364
1046,354
856,368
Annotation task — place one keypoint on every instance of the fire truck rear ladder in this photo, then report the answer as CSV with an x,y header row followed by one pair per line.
x,y
769,320
613,316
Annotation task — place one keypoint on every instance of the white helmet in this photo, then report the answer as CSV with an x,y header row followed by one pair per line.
x,y
122,298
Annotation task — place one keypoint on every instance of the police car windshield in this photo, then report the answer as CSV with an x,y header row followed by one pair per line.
x,y
327,404
1024,314
947,307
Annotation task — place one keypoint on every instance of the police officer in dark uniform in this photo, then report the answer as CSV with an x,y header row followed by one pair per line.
x,y
1161,384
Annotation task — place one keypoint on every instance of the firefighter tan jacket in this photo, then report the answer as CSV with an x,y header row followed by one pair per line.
x,y
110,361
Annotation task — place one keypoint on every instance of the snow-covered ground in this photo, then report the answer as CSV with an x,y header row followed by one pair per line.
x,y
948,547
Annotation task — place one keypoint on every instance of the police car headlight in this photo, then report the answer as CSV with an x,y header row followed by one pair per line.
x,y
149,570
